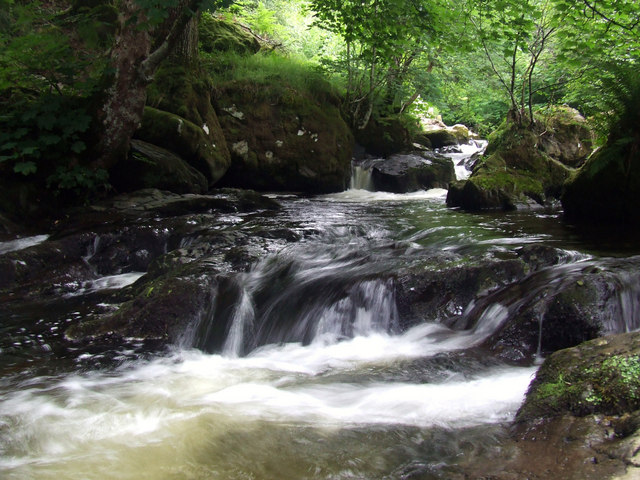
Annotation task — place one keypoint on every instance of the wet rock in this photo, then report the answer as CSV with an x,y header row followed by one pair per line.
x,y
600,376
402,173
7,227
38,269
560,307
443,294
166,309
158,202
567,447
123,234
538,256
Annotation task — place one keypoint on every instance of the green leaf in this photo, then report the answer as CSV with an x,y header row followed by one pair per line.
x,y
25,168
50,139
78,146
46,121
29,150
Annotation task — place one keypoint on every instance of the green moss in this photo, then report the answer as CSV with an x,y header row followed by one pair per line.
x,y
181,90
273,78
220,35
511,182
596,377
184,138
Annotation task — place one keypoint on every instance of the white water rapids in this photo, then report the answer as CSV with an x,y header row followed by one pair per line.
x,y
375,406
180,416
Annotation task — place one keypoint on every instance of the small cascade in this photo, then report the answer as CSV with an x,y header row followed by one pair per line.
x,y
626,305
463,156
92,250
241,322
369,307
361,178
540,306
305,298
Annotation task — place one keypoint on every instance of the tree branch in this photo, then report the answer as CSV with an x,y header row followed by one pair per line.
x,y
608,19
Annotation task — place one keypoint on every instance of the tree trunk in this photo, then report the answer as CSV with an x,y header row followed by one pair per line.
x,y
121,111
134,65
185,50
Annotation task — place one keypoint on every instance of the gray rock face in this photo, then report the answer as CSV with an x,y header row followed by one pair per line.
x,y
402,173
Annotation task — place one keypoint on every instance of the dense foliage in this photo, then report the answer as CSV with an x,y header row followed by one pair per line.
x,y
476,62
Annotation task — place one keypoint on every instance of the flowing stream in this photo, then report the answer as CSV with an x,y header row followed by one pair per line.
x,y
315,378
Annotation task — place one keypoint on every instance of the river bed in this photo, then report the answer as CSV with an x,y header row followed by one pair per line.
x,y
308,385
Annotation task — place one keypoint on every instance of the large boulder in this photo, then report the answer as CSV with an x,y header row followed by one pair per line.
x,y
567,136
385,136
409,172
184,138
283,139
150,166
515,173
438,135
599,376
180,118
607,187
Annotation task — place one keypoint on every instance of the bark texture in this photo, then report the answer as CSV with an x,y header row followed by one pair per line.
x,y
136,55
121,112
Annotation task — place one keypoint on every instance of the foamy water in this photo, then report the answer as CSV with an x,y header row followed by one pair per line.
x,y
359,195
158,414
109,282
21,243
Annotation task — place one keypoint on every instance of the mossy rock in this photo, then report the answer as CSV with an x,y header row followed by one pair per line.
x,y
161,309
150,166
607,187
599,376
186,91
284,139
184,138
567,137
447,136
219,35
515,173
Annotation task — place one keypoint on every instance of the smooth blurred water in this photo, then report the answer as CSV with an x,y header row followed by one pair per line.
x,y
336,391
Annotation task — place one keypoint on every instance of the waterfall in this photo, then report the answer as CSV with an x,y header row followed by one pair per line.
x,y
361,178
241,322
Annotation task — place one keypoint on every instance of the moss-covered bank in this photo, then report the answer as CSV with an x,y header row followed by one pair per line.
x,y
283,125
